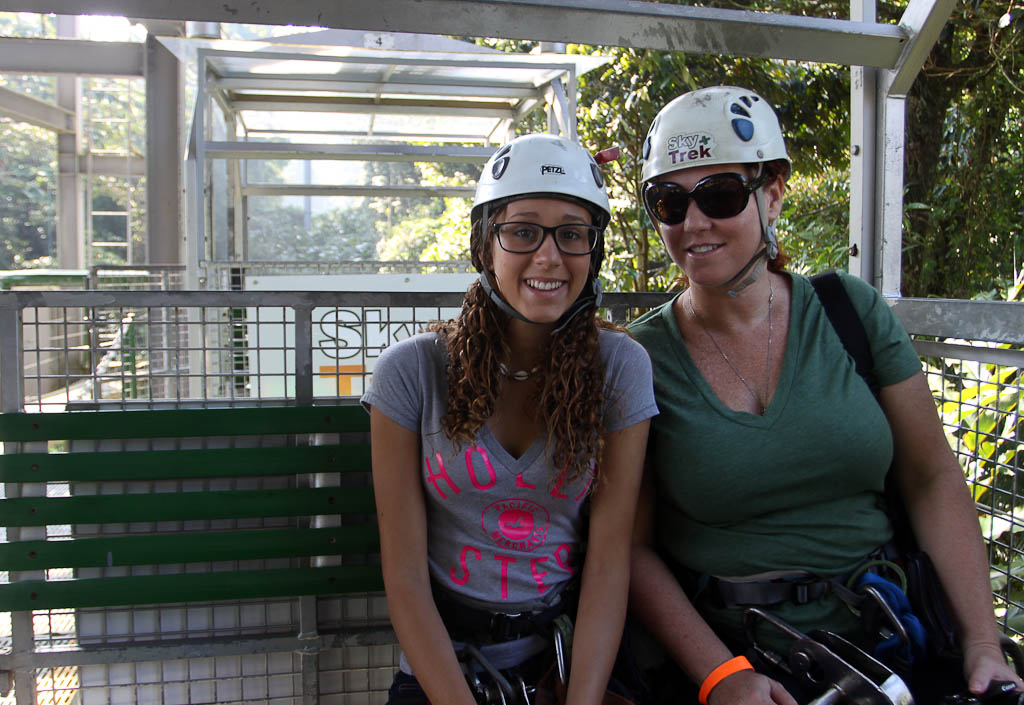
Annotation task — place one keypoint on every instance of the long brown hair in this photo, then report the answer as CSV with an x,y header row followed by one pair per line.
x,y
571,395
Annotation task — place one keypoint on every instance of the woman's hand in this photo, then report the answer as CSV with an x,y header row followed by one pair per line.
x,y
984,663
749,688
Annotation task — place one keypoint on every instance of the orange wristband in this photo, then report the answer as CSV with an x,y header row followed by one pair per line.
x,y
733,665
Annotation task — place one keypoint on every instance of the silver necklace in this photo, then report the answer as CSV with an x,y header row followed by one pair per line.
x,y
518,375
763,403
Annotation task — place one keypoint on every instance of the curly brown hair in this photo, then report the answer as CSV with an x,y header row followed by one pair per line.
x,y
571,395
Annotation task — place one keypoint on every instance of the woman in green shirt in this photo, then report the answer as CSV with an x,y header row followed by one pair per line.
x,y
770,453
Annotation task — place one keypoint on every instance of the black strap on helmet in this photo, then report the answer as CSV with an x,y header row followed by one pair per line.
x,y
754,268
585,301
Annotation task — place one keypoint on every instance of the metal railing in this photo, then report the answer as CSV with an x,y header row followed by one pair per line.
x,y
159,349
973,356
156,348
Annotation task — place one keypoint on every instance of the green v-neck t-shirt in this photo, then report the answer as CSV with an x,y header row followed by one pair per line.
x,y
797,489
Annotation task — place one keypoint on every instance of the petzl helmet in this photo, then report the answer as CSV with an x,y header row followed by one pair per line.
x,y
540,166
719,125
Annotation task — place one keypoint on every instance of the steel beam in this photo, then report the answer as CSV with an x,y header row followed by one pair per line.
x,y
383,106
77,57
164,150
863,177
358,152
399,136
40,113
70,185
137,652
644,25
400,191
340,84
12,391
922,21
889,193
108,165
996,321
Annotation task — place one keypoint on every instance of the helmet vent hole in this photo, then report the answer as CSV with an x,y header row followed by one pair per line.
x,y
737,109
647,147
499,167
598,177
743,128
748,100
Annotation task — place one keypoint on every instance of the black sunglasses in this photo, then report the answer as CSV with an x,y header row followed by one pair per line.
x,y
717,196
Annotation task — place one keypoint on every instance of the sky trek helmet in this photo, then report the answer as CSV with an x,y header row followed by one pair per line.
x,y
719,125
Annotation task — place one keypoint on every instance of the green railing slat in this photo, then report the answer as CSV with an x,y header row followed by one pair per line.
x,y
184,423
181,464
181,506
188,547
177,548
189,587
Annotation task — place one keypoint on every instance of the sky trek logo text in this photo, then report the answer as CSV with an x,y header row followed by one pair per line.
x,y
688,148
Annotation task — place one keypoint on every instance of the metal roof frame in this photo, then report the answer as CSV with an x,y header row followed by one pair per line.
x,y
884,59
484,90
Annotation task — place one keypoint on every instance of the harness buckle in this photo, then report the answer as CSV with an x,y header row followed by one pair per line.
x,y
807,589
505,627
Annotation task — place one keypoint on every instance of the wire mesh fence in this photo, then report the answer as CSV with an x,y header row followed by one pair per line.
x,y
172,349
979,399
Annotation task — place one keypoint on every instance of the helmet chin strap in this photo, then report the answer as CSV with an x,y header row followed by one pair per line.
x,y
584,302
750,273
755,267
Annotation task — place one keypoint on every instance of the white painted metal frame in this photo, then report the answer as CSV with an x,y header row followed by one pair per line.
x,y
884,59
460,85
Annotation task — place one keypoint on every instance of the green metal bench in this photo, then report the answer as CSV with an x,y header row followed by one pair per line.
x,y
183,505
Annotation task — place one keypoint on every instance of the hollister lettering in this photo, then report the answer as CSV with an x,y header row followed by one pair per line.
x,y
502,529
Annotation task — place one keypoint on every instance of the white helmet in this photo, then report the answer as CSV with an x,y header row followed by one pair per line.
x,y
717,125
540,166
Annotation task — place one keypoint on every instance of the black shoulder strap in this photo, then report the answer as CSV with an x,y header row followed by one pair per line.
x,y
847,323
850,329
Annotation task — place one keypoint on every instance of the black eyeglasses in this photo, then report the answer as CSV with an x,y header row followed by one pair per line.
x,y
571,239
717,196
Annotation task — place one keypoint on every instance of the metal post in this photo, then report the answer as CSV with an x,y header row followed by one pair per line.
x,y
12,385
70,209
164,148
922,23
863,117
22,645
309,655
889,213
304,355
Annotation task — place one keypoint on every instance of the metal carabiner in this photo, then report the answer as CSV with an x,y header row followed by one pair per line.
x,y
894,621
563,670
504,692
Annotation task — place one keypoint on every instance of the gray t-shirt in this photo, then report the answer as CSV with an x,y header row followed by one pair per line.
x,y
501,533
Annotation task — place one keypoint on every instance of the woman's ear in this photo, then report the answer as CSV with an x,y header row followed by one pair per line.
x,y
773,192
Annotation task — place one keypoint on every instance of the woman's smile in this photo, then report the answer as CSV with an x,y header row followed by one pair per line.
x,y
545,285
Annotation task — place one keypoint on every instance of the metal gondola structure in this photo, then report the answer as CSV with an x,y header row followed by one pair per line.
x,y
378,82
